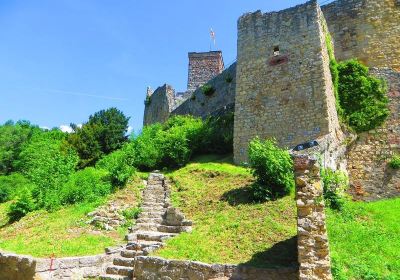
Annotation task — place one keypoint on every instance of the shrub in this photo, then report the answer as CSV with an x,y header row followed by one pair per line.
x,y
132,213
395,162
11,185
228,79
273,169
116,164
207,90
363,99
22,206
88,184
335,184
218,134
147,101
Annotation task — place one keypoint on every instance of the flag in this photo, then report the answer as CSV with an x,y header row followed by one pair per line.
x,y
212,35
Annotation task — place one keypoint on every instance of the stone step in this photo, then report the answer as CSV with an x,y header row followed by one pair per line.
x,y
131,254
145,227
174,229
123,261
143,244
114,277
149,220
154,235
120,270
153,208
153,204
153,214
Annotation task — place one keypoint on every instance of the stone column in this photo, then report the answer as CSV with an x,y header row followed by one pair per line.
x,y
312,238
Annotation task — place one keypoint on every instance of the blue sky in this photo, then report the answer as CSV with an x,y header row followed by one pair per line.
x,y
61,61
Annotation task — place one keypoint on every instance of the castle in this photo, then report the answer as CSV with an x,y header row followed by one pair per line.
x,y
281,84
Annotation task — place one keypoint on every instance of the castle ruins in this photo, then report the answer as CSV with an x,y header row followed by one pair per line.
x,y
281,86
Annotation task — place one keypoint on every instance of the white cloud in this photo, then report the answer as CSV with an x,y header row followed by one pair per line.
x,y
66,128
79,125
130,129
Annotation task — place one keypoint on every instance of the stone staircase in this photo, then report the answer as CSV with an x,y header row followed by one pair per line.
x,y
157,222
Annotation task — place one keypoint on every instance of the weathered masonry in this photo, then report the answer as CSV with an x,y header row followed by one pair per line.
x,y
366,29
283,82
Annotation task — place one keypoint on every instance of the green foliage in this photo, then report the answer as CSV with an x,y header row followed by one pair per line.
x,y
104,133
335,184
218,134
228,79
147,101
207,89
11,185
12,139
273,169
132,213
22,206
88,184
118,167
395,162
46,165
362,97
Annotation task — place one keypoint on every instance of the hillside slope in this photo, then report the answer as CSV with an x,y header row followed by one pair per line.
x,y
228,226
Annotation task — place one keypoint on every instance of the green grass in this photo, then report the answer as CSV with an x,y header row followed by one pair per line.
x,y
229,227
63,232
365,240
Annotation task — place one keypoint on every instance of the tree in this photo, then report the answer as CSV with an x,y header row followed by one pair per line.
x,y
104,133
12,138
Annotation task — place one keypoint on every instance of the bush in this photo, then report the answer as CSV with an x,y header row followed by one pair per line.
x,y
395,162
273,169
335,184
363,99
207,90
22,206
218,134
116,164
88,184
12,184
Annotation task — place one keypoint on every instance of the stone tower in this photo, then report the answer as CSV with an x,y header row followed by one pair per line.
x,y
203,67
284,88
368,30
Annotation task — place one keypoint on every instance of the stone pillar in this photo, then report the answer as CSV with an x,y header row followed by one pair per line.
x,y
312,238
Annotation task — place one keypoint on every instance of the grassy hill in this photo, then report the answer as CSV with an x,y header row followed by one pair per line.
x,y
63,232
228,226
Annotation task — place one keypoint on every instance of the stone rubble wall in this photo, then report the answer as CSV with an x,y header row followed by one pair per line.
x,y
203,67
19,267
152,268
366,29
287,94
312,238
159,106
371,177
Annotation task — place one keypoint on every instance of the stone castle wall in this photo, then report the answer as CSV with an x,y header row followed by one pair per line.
x,y
283,88
203,67
366,29
159,104
223,99
371,177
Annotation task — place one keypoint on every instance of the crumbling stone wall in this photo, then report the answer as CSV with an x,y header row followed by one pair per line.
x,y
159,268
159,105
19,267
284,87
312,238
370,175
223,98
203,67
366,29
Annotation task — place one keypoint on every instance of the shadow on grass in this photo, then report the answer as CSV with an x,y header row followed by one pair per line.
x,y
242,195
282,254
